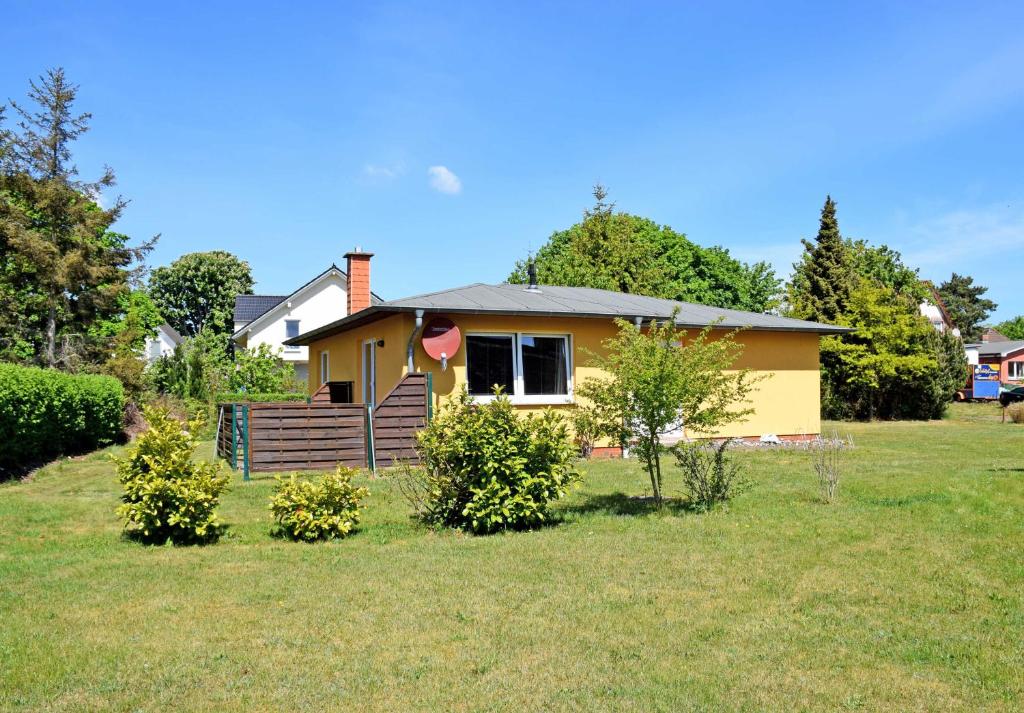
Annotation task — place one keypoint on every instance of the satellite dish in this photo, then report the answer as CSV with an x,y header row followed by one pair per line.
x,y
441,340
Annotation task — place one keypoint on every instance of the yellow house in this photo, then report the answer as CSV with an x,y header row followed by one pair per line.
x,y
535,340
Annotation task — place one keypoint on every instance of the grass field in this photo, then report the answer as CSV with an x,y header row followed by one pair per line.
x,y
907,594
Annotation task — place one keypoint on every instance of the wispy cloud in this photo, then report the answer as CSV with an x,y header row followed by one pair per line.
x,y
375,172
443,180
960,236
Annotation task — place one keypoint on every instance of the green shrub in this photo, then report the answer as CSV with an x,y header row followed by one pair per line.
x,y
44,413
487,468
323,510
167,495
710,476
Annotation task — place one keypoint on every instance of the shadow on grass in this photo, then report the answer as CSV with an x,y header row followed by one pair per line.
x,y
140,538
622,504
1005,469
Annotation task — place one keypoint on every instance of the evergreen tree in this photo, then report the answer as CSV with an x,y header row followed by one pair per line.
x,y
822,280
617,251
966,306
61,268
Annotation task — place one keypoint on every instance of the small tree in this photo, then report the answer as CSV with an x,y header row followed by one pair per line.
x,y
261,370
657,382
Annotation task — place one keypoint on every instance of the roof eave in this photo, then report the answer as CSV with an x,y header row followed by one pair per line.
x,y
377,311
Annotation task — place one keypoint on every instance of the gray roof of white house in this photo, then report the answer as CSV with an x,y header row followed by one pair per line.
x,y
252,307
551,301
999,349
249,307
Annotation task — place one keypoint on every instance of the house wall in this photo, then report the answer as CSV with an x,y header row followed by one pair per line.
x,y
159,346
313,309
1004,365
786,402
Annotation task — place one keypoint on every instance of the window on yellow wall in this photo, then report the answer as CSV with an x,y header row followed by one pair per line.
x,y
325,368
531,368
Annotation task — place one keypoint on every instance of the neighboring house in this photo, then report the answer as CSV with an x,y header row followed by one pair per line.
x,y
271,319
1007,355
163,343
992,335
534,341
934,310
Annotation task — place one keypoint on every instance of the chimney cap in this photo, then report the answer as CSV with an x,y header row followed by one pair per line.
x,y
357,252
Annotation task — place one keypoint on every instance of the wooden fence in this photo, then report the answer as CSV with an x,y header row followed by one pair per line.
x,y
262,437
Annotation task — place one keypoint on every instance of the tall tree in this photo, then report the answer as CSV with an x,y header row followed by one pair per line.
x,y
626,253
197,291
822,280
61,266
965,304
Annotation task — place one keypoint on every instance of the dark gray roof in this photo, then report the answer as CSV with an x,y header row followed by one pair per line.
x,y
999,348
549,301
249,307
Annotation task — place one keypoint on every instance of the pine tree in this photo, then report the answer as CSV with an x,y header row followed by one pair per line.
x,y
966,306
59,262
823,278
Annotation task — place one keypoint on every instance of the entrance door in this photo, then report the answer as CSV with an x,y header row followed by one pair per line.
x,y
370,372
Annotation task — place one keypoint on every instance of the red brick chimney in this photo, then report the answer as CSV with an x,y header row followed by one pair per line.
x,y
358,280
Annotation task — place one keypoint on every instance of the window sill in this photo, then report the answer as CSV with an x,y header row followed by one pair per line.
x,y
553,400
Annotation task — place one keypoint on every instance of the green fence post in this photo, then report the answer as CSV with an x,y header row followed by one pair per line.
x,y
245,442
234,437
371,457
430,396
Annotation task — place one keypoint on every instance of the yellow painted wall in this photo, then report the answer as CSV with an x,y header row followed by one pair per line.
x,y
786,402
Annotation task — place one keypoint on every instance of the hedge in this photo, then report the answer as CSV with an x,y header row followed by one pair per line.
x,y
45,413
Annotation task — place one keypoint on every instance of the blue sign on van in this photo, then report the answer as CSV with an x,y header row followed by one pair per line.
x,y
986,381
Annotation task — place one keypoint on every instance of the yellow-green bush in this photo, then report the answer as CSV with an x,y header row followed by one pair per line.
x,y
487,468
167,495
323,510
44,413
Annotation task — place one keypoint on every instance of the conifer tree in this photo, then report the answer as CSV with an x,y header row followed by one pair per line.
x,y
59,262
823,278
966,306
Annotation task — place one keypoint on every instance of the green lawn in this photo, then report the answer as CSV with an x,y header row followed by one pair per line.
x,y
908,594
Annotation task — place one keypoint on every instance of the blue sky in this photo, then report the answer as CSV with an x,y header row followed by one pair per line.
x,y
452,138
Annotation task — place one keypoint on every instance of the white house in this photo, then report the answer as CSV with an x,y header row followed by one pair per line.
x,y
934,310
271,319
163,343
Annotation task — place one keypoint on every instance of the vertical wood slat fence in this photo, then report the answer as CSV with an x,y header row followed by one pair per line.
x,y
264,437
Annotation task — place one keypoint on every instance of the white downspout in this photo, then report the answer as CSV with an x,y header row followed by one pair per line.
x,y
412,338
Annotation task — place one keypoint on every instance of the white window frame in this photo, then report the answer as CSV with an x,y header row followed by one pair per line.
x,y
519,395
1019,369
325,367
371,385
289,347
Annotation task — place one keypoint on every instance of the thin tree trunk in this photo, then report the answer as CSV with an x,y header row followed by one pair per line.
x,y
657,463
655,476
51,337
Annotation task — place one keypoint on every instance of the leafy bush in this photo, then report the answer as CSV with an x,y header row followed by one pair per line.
x,y
322,510
487,468
710,476
44,413
167,495
262,370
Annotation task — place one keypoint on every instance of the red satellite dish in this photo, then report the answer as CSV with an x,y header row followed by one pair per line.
x,y
441,339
